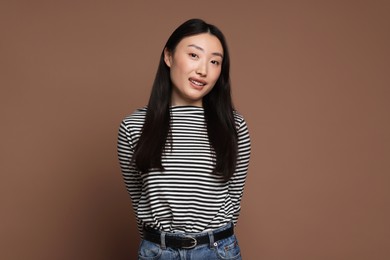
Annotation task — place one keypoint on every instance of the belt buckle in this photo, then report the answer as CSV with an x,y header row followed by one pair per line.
x,y
194,243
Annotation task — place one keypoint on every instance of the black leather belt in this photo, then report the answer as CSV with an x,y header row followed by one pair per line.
x,y
185,241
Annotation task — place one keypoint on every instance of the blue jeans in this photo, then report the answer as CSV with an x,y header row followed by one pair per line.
x,y
227,249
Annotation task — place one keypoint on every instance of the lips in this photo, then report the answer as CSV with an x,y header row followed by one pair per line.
x,y
197,82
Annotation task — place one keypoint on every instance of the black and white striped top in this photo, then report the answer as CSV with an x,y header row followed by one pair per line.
x,y
186,197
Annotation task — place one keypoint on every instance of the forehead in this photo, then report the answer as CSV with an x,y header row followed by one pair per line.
x,y
206,41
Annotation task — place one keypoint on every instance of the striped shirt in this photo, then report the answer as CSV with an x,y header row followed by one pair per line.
x,y
186,196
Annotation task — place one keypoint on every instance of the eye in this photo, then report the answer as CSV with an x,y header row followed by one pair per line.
x,y
193,55
215,62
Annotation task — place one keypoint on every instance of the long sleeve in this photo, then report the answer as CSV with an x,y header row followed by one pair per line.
x,y
131,176
237,182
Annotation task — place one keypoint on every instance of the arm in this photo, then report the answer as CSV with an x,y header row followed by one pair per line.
x,y
131,176
237,182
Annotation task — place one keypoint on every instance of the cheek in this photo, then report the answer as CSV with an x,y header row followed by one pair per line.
x,y
177,77
216,74
180,69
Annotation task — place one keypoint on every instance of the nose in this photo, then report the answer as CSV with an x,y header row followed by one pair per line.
x,y
201,70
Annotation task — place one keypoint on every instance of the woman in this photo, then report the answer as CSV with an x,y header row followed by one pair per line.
x,y
184,157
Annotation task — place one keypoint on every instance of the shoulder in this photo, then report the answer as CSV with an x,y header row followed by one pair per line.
x,y
239,119
133,123
242,133
137,116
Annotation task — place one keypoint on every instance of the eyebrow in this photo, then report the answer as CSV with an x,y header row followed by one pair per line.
x,y
201,49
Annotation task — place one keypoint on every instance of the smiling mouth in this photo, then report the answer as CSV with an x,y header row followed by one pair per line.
x,y
197,83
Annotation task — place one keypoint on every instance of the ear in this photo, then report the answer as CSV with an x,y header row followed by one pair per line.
x,y
167,57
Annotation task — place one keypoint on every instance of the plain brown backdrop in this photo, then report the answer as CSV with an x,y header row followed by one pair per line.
x,y
311,78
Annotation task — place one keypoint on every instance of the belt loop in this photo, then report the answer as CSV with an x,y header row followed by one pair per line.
x,y
211,238
162,238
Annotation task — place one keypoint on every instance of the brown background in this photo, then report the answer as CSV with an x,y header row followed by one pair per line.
x,y
311,78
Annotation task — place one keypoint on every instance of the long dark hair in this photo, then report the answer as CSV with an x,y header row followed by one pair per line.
x,y
217,104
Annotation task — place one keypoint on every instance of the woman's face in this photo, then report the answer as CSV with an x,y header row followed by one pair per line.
x,y
195,66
